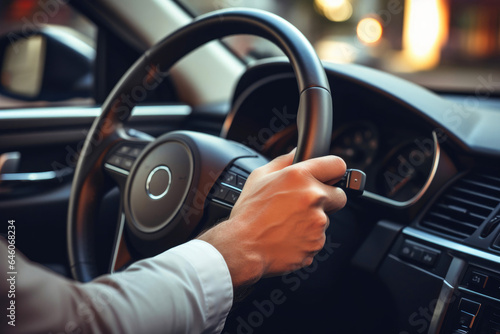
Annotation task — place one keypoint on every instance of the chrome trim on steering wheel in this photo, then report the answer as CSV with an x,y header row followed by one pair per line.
x,y
150,177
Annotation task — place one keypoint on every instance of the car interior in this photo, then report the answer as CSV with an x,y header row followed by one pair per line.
x,y
102,101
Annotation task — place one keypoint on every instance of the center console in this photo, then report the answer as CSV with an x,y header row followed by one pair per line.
x,y
437,285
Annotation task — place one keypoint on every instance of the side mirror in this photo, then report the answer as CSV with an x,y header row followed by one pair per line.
x,y
52,64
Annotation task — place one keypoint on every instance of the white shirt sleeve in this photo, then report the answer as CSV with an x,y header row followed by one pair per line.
x,y
186,289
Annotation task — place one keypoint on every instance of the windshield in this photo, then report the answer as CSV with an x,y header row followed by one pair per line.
x,y
445,45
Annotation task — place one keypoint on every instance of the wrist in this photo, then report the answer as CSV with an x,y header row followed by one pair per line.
x,y
245,263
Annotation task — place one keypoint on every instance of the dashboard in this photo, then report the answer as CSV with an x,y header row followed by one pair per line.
x,y
428,225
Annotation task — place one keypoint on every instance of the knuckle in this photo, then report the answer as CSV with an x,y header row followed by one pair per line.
x,y
307,261
319,218
313,194
310,196
294,173
318,245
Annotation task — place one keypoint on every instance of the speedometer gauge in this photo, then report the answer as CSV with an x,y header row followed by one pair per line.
x,y
356,143
406,169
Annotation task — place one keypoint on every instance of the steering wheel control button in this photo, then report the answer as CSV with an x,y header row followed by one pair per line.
x,y
115,160
225,195
228,188
221,192
353,182
158,182
127,163
232,196
124,157
240,182
134,152
121,162
229,178
129,151
124,150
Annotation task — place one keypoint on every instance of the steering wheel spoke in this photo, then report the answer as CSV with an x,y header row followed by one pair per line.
x,y
121,257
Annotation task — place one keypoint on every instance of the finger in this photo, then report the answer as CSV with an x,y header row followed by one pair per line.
x,y
334,200
280,162
328,169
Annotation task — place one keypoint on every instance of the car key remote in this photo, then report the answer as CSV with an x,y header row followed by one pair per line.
x,y
353,182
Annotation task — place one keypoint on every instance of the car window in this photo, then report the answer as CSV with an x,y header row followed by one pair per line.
x,y
31,68
446,45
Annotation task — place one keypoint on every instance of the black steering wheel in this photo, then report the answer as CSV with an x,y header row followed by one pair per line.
x,y
174,185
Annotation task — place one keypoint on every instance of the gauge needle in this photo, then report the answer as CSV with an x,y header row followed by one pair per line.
x,y
400,185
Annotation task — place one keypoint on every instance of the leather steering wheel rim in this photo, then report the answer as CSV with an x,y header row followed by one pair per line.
x,y
315,114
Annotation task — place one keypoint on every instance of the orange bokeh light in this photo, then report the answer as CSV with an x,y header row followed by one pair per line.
x,y
369,30
425,31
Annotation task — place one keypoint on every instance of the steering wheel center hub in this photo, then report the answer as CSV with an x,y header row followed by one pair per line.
x,y
158,187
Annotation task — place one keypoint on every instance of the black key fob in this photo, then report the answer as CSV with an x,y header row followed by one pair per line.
x,y
353,182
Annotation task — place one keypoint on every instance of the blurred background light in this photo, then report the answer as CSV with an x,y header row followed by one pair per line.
x,y
369,30
425,30
334,10
336,51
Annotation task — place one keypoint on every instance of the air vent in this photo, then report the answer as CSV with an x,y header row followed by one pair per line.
x,y
465,206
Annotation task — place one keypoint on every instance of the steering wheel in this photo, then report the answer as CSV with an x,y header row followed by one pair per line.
x,y
173,186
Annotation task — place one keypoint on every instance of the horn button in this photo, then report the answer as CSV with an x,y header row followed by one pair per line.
x,y
158,187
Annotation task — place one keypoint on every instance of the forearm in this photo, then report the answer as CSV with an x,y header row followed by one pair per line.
x,y
170,293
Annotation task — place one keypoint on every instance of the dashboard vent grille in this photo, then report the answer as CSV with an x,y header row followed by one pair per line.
x,y
465,206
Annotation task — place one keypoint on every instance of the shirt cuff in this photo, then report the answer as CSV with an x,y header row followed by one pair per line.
x,y
215,280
